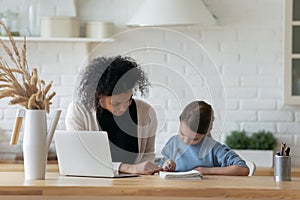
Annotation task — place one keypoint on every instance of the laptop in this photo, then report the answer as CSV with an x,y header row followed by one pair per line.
x,y
85,153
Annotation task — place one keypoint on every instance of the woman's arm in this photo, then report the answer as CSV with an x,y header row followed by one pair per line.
x,y
148,154
80,118
233,170
74,117
146,167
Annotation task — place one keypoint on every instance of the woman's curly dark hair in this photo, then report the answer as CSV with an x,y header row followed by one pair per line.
x,y
106,76
121,75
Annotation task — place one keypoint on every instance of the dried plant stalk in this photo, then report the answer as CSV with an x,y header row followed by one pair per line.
x,y
20,71
7,93
51,95
5,86
34,77
39,95
18,100
3,80
17,82
32,104
47,88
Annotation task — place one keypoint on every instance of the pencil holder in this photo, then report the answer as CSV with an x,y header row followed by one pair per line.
x,y
282,168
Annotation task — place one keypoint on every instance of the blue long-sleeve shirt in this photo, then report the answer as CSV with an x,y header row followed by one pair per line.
x,y
207,153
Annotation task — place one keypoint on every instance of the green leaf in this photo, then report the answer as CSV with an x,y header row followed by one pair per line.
x,y
237,140
262,140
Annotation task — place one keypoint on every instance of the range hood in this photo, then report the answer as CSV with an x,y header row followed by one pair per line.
x,y
172,13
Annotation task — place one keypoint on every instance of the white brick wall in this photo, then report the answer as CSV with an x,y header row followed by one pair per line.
x,y
246,46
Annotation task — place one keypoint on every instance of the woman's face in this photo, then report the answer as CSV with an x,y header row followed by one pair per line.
x,y
117,104
188,136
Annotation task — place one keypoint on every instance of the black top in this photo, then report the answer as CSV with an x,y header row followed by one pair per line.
x,y
122,133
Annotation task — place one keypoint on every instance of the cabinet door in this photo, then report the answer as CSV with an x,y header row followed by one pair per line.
x,y
292,52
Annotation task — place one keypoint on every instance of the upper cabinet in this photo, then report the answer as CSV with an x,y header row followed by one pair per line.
x,y
292,52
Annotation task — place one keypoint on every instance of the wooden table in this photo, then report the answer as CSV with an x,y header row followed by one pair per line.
x,y
268,171
52,167
13,186
19,167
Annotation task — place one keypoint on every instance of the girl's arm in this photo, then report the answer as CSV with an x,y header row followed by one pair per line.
x,y
233,170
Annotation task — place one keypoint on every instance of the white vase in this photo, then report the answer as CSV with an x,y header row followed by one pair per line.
x,y
35,145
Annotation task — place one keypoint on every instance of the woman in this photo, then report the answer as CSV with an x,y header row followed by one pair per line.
x,y
104,101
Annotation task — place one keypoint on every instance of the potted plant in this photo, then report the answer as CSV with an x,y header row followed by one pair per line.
x,y
259,147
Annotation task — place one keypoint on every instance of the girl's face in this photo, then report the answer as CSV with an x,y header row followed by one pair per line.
x,y
188,136
117,104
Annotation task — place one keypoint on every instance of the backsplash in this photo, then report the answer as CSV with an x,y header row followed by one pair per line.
x,y
239,70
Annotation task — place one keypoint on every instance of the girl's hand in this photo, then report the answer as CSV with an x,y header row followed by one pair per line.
x,y
169,166
203,170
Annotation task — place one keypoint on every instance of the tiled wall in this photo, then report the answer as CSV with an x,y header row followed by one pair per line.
x,y
243,80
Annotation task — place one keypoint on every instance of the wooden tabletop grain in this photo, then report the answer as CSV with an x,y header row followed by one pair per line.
x,y
211,187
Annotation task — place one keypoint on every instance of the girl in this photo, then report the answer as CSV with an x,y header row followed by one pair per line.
x,y
192,149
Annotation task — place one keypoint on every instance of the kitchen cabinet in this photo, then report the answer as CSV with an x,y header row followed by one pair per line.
x,y
292,53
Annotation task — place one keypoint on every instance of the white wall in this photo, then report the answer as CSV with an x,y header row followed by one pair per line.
x,y
245,86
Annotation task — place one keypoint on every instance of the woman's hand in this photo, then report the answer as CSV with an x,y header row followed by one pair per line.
x,y
146,167
169,166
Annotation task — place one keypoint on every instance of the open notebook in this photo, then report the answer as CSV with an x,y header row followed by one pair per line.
x,y
193,174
